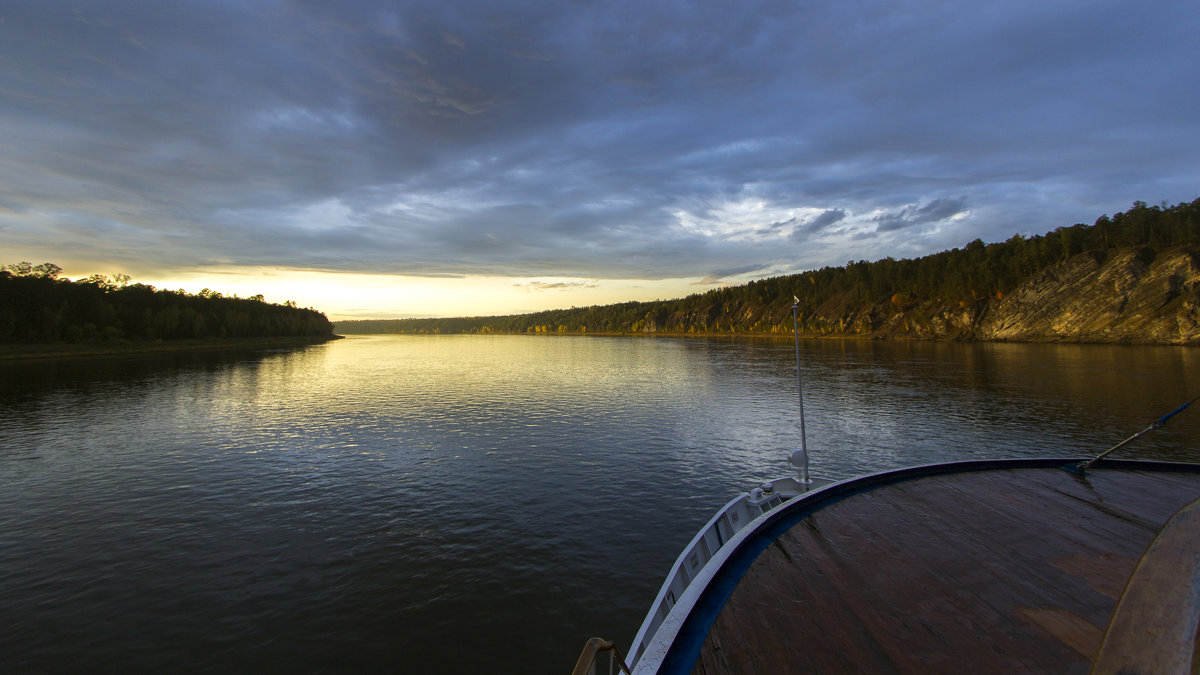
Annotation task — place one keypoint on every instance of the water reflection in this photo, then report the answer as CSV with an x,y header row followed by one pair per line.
x,y
373,502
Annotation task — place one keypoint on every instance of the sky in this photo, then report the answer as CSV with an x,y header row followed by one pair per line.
x,y
448,158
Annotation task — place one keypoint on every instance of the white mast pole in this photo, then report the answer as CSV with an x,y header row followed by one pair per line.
x,y
800,392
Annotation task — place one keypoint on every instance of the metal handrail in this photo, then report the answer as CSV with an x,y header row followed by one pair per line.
x,y
586,665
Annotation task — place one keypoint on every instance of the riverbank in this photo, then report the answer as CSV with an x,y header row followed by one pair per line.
x,y
123,347
747,335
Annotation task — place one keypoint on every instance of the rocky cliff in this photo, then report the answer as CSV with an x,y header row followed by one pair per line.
x,y
1130,296
1127,296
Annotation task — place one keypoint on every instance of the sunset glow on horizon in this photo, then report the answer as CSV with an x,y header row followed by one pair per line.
x,y
375,296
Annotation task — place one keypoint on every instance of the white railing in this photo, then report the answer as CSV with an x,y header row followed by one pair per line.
x,y
715,535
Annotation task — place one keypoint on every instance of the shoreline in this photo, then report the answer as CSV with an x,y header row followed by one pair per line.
x,y
20,352
858,337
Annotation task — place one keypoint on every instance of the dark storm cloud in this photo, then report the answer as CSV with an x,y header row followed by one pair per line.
x,y
933,212
622,139
823,221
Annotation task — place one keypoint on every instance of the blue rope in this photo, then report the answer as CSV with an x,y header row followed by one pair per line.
x,y
1082,467
1163,420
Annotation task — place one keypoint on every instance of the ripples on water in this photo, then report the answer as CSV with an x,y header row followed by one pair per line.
x,y
447,504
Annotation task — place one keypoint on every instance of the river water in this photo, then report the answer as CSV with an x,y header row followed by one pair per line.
x,y
468,503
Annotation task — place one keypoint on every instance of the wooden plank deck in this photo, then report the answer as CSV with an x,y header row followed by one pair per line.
x,y
1000,571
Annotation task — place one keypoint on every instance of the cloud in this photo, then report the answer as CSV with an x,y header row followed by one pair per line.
x,y
720,276
577,140
932,212
779,225
12,207
535,286
820,222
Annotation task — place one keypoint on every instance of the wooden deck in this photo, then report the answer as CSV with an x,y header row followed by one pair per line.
x,y
999,571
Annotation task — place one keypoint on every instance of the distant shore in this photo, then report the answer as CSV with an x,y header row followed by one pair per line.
x,y
639,334
859,337
13,352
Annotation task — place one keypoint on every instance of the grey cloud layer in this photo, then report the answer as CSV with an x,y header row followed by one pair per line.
x,y
935,211
583,140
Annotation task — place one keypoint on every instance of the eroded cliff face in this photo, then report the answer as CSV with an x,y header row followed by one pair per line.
x,y
1130,296
1126,296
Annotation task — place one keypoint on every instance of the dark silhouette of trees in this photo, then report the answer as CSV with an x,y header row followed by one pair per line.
x,y
38,307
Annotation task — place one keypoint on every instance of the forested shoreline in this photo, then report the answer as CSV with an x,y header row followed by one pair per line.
x,y
39,308
888,298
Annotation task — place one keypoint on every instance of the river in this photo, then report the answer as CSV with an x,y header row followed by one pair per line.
x,y
468,503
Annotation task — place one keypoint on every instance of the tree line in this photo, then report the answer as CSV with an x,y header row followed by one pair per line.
x,y
976,272
37,307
